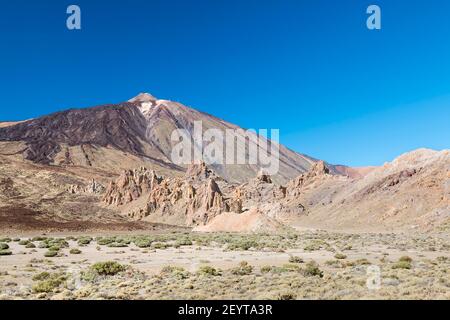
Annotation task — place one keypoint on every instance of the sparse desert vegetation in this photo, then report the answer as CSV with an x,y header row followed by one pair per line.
x,y
184,265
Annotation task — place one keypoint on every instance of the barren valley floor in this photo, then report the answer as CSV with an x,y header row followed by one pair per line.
x,y
184,265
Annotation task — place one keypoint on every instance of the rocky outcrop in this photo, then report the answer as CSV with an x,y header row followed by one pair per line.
x,y
7,188
131,185
262,177
201,195
179,200
259,190
236,205
192,200
318,172
213,198
390,181
93,187
200,172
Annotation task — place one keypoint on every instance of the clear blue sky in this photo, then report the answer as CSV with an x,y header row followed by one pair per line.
x,y
311,68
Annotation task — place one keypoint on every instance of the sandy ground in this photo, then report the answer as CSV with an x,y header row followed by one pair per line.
x,y
191,257
430,256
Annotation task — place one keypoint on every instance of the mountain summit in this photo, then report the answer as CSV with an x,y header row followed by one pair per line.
x,y
143,97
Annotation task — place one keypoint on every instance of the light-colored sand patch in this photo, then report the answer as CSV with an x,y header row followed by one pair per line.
x,y
250,221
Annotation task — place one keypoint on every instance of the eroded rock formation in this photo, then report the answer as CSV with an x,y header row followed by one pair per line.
x,y
193,199
200,196
93,187
130,186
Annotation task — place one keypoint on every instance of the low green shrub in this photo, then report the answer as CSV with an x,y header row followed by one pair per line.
x,y
125,240
53,243
160,245
30,245
4,246
362,262
84,241
75,251
183,242
108,268
294,259
243,245
34,239
289,267
402,265
143,243
340,256
266,269
105,241
43,245
312,270
5,252
51,253
316,245
41,276
209,271
60,243
335,263
177,272
243,269
48,282
405,259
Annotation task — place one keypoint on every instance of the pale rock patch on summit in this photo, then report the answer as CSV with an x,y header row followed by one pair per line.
x,y
143,98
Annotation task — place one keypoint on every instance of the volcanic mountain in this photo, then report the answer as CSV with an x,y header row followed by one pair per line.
x,y
138,131
111,167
